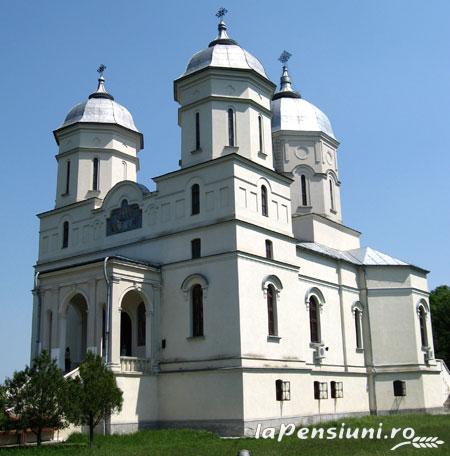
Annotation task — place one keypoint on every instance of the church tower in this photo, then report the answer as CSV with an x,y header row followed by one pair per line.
x,y
305,148
98,147
224,98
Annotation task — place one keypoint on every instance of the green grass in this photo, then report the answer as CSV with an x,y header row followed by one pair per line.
x,y
202,443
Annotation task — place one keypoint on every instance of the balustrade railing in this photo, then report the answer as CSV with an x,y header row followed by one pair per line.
x,y
133,364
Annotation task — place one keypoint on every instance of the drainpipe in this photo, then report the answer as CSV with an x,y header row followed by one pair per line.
x,y
108,312
37,290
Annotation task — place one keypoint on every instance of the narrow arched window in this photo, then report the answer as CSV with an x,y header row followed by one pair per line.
x,y
95,164
314,323
65,235
231,127
358,328
269,249
197,131
197,311
141,324
331,194
304,194
67,177
264,207
271,311
423,327
260,133
195,199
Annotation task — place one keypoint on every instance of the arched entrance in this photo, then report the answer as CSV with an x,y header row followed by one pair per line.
x,y
133,322
76,330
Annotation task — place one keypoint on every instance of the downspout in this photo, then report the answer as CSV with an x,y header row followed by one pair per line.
x,y
37,290
108,312
341,305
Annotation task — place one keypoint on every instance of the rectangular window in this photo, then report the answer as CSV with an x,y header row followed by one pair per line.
x,y
197,131
196,248
337,390
320,390
231,127
399,388
269,249
260,134
283,390
95,174
67,177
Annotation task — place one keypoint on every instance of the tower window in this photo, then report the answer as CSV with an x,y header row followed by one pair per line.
x,y
197,131
197,311
67,177
304,194
423,327
65,235
358,331
260,132
95,164
231,128
271,311
264,206
196,248
141,323
195,199
331,194
269,249
337,390
320,390
283,390
314,323
399,388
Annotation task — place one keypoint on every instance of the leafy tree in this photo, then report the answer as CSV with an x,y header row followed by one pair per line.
x,y
36,396
3,418
440,312
94,394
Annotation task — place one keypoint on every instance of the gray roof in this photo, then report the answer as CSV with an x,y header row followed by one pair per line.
x,y
363,256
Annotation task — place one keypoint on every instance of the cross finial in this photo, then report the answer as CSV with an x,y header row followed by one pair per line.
x,y
221,13
284,57
101,69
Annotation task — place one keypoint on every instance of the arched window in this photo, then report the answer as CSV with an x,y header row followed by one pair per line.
x,y
197,131
231,127
260,133
195,199
423,327
264,207
65,235
95,163
141,330
197,310
304,194
67,177
314,320
269,249
272,310
331,194
358,328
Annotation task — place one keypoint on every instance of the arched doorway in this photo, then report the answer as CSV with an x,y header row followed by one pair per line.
x,y
133,325
76,330
126,335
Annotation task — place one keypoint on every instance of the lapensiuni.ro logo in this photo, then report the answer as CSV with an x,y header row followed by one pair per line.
x,y
344,432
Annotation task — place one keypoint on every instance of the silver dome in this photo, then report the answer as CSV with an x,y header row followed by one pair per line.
x,y
223,52
100,107
299,115
291,112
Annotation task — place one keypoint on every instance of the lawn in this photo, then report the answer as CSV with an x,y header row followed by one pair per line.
x,y
201,443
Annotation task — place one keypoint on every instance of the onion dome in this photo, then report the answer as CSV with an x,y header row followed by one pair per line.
x,y
224,52
292,112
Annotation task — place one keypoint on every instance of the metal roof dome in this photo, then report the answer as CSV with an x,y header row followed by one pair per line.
x,y
223,52
292,112
100,107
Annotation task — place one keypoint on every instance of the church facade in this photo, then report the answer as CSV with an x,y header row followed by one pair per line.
x,y
233,294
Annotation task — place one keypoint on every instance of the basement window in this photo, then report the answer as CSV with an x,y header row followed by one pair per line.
x,y
337,390
399,388
320,390
283,390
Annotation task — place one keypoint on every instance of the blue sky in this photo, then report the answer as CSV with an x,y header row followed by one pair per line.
x,y
379,69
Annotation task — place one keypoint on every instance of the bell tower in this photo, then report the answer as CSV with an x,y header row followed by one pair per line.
x,y
305,149
98,147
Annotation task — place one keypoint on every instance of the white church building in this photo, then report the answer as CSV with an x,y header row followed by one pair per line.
x,y
233,294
